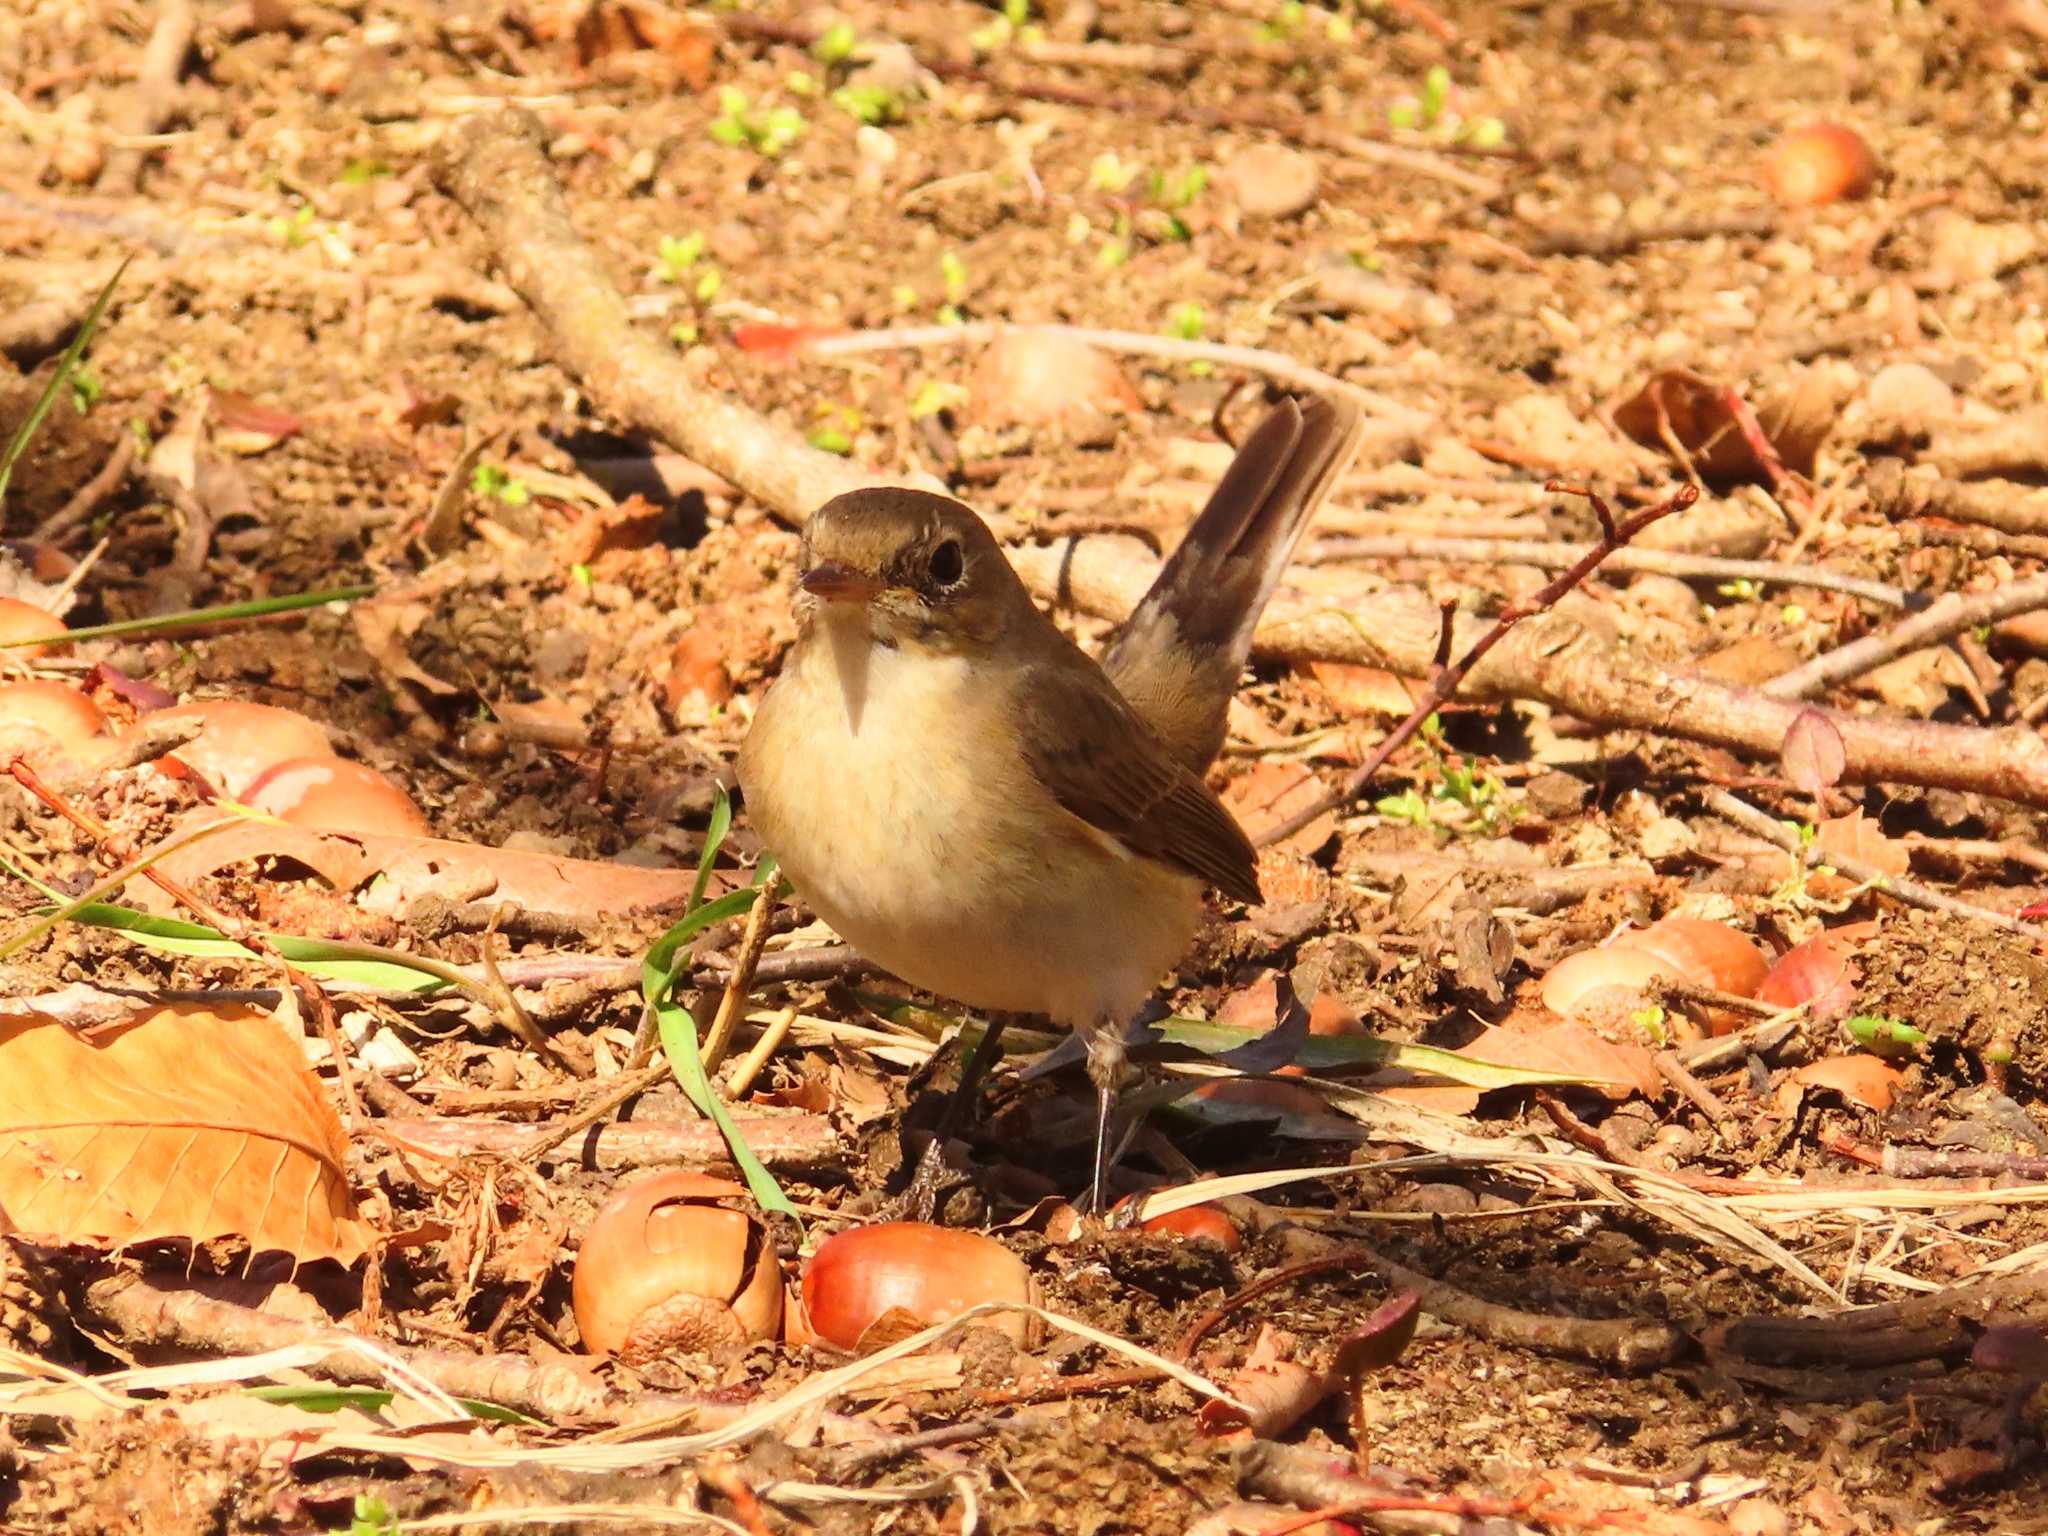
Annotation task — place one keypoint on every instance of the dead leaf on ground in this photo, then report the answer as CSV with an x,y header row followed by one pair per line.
x,y
184,1122
583,890
1528,1038
1269,794
1362,692
1860,1078
1693,418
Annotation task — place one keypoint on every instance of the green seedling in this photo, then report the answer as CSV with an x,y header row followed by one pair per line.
x,y
1408,806
1285,25
1185,321
1181,188
1110,172
954,271
684,333
1742,589
294,228
372,1517
835,429
360,173
582,575
677,257
934,396
1884,1035
1114,253
836,45
1017,12
497,483
768,131
67,365
874,105
801,82
86,390
1650,1021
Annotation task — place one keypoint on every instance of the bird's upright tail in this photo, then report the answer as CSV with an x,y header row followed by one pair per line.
x,y
1178,657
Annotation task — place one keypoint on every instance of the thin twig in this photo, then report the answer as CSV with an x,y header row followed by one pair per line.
x,y
1550,555
1277,366
87,498
1905,888
1953,614
1444,679
753,938
156,91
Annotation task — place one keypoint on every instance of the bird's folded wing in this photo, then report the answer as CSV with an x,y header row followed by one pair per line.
x,y
1099,760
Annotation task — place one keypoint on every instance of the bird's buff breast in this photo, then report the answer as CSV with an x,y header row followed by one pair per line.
x,y
897,804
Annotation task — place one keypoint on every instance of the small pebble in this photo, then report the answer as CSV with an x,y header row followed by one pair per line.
x,y
1271,181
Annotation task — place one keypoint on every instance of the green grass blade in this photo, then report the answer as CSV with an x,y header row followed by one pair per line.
x,y
66,366
327,960
258,608
679,1029
329,1399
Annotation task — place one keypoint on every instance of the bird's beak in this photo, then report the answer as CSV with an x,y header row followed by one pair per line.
x,y
837,583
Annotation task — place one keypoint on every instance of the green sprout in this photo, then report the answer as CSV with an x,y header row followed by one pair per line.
x,y
873,104
678,256
934,396
1016,12
954,270
1884,1035
1742,588
1114,253
801,82
684,333
360,173
1486,133
1408,806
1110,172
295,228
831,440
1650,1021
372,1517
581,575
1180,189
836,45
86,389
1285,25
768,131
1185,321
499,484
709,281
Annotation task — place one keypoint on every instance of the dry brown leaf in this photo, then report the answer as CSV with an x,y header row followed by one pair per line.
x,y
1269,794
1859,1078
412,867
1363,692
1681,409
1528,1038
184,1122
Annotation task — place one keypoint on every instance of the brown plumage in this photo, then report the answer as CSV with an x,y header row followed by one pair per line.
x,y
977,805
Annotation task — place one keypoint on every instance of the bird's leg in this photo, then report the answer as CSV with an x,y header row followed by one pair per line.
x,y
1105,1069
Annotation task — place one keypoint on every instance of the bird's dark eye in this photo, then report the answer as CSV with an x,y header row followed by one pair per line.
x,y
948,563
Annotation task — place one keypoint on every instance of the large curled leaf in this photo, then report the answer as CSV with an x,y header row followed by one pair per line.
x,y
182,1122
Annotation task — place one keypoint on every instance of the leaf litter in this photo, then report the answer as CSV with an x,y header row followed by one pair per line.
x,y
557,681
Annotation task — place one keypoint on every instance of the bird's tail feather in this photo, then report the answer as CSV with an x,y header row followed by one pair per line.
x,y
1178,657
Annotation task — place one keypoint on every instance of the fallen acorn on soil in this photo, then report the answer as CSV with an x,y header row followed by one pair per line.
x,y
1193,1221
665,1269
868,1287
240,741
20,621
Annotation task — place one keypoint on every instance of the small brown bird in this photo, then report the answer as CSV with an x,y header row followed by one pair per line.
x,y
979,807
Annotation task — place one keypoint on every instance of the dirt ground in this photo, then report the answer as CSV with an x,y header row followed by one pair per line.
x,y
1506,220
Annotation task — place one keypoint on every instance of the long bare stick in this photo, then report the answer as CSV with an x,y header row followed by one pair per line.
x,y
1952,614
1553,556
